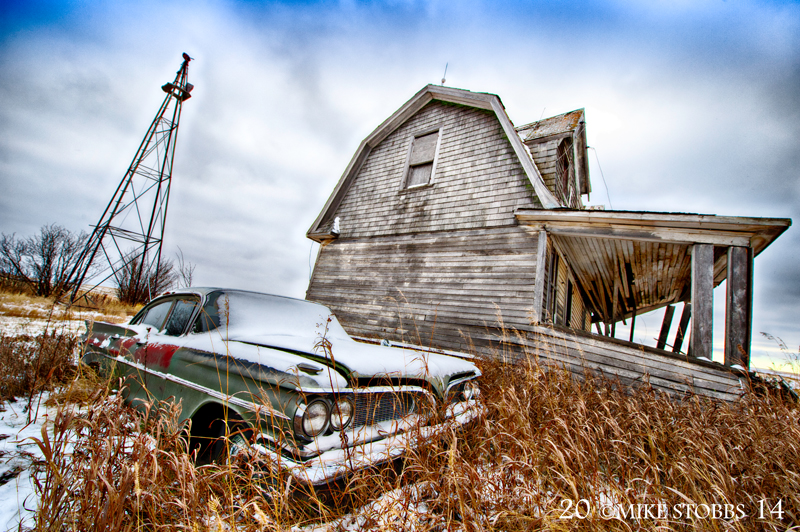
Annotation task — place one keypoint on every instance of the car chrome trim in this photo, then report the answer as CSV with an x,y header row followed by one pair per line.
x,y
456,382
225,398
318,468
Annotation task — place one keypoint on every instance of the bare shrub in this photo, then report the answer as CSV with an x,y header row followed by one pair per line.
x,y
31,364
137,284
185,271
43,262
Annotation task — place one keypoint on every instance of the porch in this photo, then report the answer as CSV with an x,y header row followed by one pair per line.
x,y
626,263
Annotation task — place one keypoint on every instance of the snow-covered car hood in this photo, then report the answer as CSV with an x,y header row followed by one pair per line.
x,y
305,327
364,360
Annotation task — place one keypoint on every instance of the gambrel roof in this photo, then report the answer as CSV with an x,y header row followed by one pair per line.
x,y
555,125
490,102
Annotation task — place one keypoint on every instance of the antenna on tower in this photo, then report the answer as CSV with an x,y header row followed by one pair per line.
x,y
126,243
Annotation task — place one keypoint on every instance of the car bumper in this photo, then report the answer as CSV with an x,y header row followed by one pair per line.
x,y
333,464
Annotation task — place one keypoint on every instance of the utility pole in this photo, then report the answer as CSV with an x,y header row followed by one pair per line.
x,y
126,242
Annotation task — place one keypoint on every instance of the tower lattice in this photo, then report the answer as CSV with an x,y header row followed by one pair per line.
x,y
126,243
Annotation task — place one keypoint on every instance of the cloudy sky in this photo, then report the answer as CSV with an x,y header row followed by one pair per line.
x,y
692,106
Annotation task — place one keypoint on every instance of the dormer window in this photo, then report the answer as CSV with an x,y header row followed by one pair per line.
x,y
422,159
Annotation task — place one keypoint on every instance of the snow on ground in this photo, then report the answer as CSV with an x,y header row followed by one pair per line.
x,y
14,326
18,453
18,316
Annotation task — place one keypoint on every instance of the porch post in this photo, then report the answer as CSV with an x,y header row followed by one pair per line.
x,y
665,325
682,327
739,306
538,283
702,300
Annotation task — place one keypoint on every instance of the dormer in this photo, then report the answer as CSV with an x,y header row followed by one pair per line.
x,y
558,147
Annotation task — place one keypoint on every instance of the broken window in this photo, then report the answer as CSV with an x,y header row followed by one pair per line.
x,y
422,159
564,167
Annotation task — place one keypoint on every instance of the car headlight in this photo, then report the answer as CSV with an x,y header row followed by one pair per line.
x,y
312,419
470,391
342,413
464,391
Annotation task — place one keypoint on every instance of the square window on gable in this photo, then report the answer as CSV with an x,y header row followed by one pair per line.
x,y
422,159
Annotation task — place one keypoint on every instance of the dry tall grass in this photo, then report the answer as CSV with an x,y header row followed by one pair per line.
x,y
22,304
31,364
547,447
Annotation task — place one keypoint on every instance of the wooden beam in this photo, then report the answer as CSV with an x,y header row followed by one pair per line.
x,y
669,312
702,300
538,286
708,222
683,324
644,233
633,323
738,308
546,198
756,233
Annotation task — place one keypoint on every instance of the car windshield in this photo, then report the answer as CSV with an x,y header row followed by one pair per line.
x,y
253,314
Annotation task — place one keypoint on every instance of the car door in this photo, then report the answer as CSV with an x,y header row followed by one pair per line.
x,y
153,317
170,320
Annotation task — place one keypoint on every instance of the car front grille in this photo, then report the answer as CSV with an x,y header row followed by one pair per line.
x,y
372,408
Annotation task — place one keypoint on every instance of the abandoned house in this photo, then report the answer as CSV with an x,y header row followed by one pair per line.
x,y
454,229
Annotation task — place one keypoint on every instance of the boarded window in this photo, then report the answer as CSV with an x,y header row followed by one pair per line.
x,y
421,159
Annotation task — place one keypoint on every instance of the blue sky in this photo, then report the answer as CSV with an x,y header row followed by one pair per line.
x,y
691,106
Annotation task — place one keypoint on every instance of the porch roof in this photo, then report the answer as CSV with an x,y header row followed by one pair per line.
x,y
632,261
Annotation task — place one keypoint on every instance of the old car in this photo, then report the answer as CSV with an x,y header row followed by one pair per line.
x,y
283,376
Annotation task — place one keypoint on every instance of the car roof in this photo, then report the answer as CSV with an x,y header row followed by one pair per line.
x,y
205,290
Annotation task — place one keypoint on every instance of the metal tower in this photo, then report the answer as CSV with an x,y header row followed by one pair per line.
x,y
126,242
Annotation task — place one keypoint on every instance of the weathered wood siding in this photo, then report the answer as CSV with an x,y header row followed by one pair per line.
x,y
633,365
558,286
579,318
478,182
437,289
545,154
433,265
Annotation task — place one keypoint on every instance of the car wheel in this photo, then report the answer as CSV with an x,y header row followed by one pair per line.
x,y
232,438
